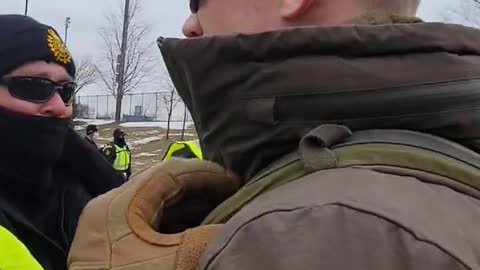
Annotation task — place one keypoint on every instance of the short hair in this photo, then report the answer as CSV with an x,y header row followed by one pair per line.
x,y
398,7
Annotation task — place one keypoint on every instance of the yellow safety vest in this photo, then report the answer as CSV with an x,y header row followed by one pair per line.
x,y
194,146
14,255
122,159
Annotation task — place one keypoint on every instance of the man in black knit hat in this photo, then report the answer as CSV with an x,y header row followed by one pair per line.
x,y
47,172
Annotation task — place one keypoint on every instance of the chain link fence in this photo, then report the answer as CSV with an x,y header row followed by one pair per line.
x,y
136,107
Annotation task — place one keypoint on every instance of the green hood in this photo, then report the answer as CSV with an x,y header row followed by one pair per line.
x,y
254,96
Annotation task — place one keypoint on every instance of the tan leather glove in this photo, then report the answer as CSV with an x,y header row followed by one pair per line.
x,y
119,230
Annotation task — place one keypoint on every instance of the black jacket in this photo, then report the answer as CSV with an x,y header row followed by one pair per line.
x,y
45,217
89,140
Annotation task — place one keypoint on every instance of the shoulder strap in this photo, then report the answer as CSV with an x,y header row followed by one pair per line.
x,y
109,154
107,145
331,146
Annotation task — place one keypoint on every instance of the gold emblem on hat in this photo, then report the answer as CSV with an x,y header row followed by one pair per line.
x,y
57,48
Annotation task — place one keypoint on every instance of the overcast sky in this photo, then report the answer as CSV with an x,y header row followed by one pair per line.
x,y
164,16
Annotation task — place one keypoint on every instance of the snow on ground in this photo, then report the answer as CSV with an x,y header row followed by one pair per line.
x,y
144,133
146,155
134,143
143,141
173,125
86,122
97,122
180,134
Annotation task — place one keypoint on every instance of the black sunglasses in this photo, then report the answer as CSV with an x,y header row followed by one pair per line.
x,y
39,90
194,5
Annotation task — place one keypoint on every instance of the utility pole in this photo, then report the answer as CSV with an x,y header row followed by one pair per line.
x,y
68,20
184,121
26,7
121,60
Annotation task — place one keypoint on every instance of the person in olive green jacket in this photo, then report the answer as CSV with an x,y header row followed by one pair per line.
x,y
351,125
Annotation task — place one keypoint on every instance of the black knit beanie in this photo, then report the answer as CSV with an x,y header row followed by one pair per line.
x,y
91,129
23,40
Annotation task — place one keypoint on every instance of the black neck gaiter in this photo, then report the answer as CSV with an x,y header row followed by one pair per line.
x,y
120,142
31,144
30,194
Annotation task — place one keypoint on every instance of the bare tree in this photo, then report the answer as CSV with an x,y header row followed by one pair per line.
x,y
470,12
139,58
467,12
475,19
170,99
86,74
81,110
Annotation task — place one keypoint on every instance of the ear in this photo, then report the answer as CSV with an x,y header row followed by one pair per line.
x,y
291,9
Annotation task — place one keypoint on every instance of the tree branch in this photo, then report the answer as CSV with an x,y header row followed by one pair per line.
x,y
139,58
86,74
467,12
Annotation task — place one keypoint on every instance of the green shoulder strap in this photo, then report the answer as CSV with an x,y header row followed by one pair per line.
x,y
331,146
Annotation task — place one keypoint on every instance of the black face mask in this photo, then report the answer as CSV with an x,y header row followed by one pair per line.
x,y
31,141
119,141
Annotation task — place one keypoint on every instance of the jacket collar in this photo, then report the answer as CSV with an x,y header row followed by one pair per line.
x,y
254,96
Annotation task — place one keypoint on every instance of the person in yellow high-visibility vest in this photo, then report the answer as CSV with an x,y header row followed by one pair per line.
x,y
119,154
184,149
14,255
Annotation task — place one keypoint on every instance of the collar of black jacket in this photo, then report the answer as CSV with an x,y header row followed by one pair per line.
x,y
254,96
